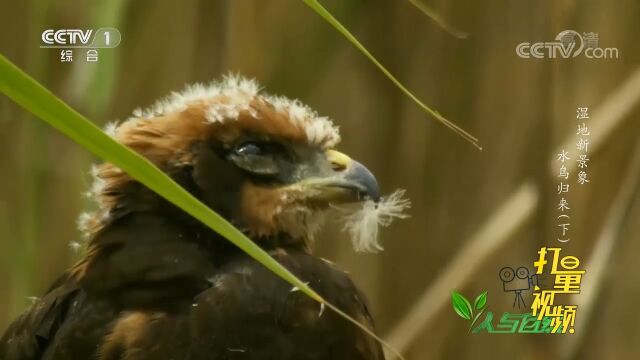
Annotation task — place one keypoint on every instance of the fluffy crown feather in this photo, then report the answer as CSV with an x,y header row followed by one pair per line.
x,y
163,132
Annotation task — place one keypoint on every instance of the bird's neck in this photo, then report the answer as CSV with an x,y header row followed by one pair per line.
x,y
222,249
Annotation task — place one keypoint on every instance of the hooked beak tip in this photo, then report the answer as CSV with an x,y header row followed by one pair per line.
x,y
364,181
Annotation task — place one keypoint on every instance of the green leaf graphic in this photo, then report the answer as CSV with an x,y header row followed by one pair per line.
x,y
480,301
461,305
475,318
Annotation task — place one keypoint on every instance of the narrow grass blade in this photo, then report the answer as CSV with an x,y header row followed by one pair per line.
x,y
355,322
438,19
325,14
29,94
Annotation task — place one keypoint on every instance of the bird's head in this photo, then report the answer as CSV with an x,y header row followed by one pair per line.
x,y
268,164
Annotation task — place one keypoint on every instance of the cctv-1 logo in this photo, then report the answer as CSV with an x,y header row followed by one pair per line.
x,y
76,38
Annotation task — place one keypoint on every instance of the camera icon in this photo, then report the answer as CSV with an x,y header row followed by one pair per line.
x,y
517,281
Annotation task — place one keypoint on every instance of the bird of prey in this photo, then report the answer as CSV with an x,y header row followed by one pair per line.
x,y
156,284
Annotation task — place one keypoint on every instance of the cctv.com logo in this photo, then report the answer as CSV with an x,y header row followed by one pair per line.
x,y
567,44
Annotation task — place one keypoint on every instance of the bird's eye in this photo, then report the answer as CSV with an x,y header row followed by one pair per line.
x,y
250,149
261,158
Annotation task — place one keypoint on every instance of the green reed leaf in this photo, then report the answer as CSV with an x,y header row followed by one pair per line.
x,y
325,14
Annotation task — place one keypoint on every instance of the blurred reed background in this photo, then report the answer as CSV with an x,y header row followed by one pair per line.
x,y
460,233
